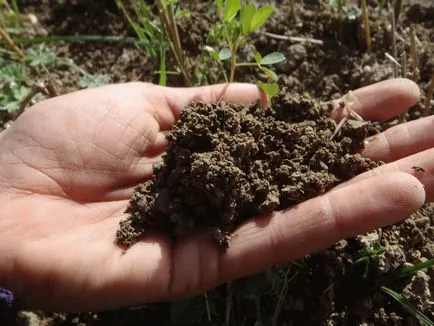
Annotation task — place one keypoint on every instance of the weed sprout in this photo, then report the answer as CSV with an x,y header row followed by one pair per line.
x,y
237,21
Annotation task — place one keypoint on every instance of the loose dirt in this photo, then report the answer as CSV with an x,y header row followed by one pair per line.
x,y
226,163
326,288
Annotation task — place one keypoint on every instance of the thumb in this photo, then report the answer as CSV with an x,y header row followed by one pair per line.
x,y
242,93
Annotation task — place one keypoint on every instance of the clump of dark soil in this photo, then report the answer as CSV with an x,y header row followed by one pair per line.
x,y
227,162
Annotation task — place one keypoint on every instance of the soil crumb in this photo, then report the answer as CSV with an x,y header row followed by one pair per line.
x,y
226,163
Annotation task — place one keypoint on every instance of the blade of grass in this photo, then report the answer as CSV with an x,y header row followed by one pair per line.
x,y
424,320
414,54
163,75
167,17
75,38
406,271
394,52
10,42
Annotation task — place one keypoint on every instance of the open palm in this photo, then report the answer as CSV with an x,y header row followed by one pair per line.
x,y
69,165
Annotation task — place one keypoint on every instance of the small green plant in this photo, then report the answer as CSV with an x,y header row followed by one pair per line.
x,y
237,21
13,90
15,71
153,41
157,35
369,255
40,56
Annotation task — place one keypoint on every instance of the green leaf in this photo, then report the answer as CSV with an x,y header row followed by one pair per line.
x,y
272,58
40,56
270,73
212,52
424,320
219,4
225,54
407,271
260,17
231,9
271,89
258,57
246,15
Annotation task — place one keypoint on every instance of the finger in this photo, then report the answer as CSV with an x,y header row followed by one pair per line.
x,y
242,93
401,140
421,165
381,101
310,226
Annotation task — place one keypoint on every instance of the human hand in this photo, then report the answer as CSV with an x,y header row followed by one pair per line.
x,y
70,164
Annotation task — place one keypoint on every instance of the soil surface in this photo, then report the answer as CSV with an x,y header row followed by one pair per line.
x,y
326,288
226,163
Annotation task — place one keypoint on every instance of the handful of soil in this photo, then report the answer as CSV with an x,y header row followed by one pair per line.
x,y
226,163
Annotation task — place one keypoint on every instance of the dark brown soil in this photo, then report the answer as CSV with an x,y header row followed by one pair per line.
x,y
226,163
321,289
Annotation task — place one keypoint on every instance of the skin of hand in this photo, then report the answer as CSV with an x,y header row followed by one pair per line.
x,y
70,163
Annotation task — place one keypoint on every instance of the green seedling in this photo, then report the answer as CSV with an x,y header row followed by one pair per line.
x,y
370,257
412,310
237,21
15,73
157,35
40,56
153,40
13,92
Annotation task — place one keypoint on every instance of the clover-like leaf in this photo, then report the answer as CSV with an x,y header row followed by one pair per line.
x,y
270,73
260,17
271,89
246,15
231,9
225,54
272,58
258,57
212,52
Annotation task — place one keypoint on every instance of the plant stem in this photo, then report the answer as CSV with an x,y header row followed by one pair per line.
x,y
397,10
233,61
168,21
366,25
246,64
413,53
5,36
394,52
292,11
